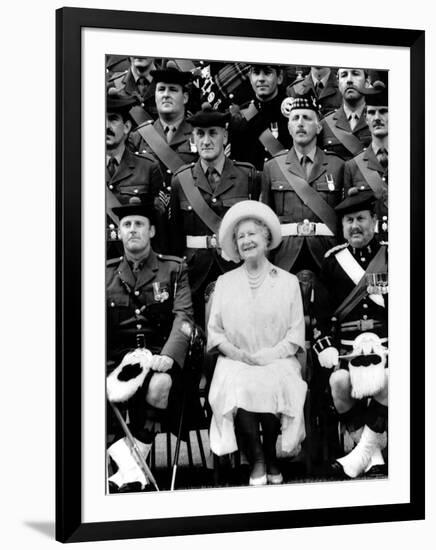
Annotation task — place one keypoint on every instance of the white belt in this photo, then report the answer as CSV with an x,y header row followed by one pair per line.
x,y
305,229
201,241
351,342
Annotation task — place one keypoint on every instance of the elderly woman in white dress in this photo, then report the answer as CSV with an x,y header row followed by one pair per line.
x,y
256,324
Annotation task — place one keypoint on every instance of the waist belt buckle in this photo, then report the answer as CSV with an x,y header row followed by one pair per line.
x,y
306,228
366,324
212,241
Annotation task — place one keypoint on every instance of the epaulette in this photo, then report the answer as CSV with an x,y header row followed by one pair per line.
x,y
116,76
184,167
244,164
335,249
329,114
298,86
168,257
331,153
145,155
114,261
281,153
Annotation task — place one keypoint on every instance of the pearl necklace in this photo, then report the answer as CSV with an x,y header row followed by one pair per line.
x,y
255,281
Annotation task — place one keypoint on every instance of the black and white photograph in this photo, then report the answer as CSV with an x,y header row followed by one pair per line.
x,y
246,273
237,287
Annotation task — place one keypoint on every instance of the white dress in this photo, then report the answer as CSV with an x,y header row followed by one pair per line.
x,y
273,318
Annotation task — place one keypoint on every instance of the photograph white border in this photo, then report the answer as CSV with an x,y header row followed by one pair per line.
x,y
98,507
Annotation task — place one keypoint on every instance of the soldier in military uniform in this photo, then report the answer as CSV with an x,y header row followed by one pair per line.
x,y
171,95
202,192
302,186
127,175
148,298
345,131
137,82
369,169
258,130
323,83
352,329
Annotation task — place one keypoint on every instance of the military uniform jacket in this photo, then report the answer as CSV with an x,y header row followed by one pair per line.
x,y
134,306
278,193
329,142
330,97
334,285
244,134
125,82
237,184
135,175
180,143
353,177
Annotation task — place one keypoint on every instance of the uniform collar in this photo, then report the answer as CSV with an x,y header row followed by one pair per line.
x,y
349,112
219,166
117,157
311,154
367,251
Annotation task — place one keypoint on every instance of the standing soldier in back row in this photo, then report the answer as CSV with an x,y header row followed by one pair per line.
x,y
202,192
345,131
128,176
303,186
323,83
369,169
258,131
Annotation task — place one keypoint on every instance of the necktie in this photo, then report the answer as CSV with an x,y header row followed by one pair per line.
x,y
213,178
112,166
169,132
319,87
305,163
382,157
353,118
142,85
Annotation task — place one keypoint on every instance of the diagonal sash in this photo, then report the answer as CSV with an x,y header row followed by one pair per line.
x,y
266,138
196,199
309,196
159,146
357,275
271,144
350,141
373,178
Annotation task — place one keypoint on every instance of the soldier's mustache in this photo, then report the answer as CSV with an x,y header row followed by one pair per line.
x,y
109,133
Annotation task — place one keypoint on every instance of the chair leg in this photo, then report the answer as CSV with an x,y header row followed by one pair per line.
x,y
201,449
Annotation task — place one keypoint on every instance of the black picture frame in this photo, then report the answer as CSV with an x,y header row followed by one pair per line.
x,y
69,524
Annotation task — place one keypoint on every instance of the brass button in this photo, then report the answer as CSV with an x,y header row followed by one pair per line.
x,y
136,292
137,311
214,200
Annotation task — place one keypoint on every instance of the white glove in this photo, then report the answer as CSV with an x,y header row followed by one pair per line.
x,y
329,357
162,363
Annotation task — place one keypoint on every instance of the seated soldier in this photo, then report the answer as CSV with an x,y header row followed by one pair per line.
x,y
351,335
148,299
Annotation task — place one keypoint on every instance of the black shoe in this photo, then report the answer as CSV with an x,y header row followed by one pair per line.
x,y
336,471
135,487
113,488
379,470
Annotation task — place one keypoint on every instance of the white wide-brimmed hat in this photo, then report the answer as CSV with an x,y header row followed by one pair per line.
x,y
247,210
